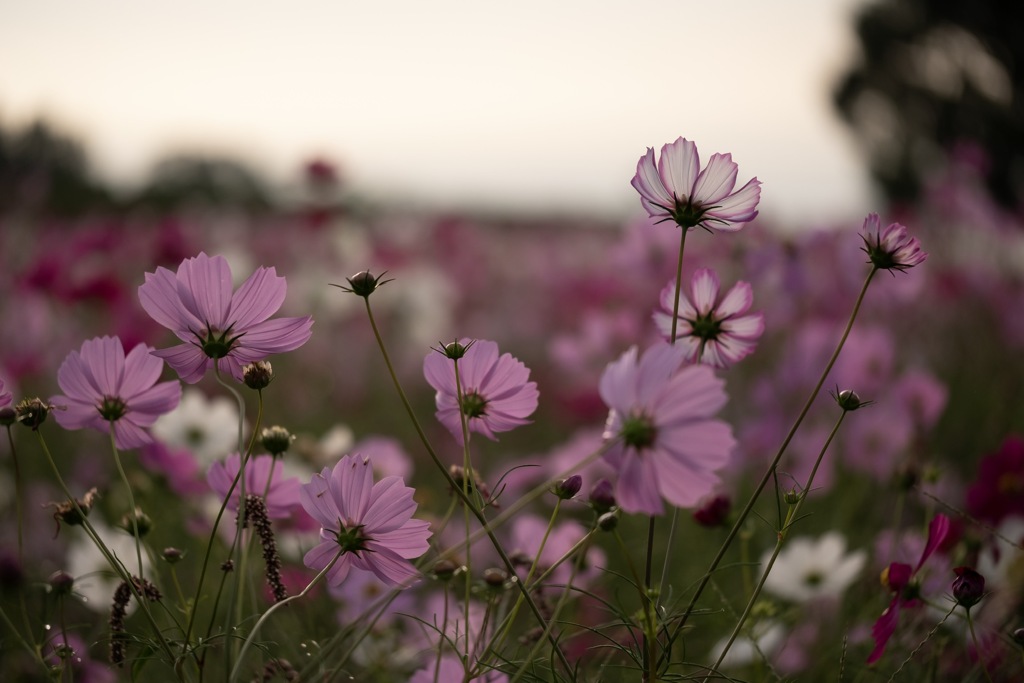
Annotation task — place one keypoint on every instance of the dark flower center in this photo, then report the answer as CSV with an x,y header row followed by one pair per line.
x,y
217,344
351,540
639,432
705,327
814,578
688,215
473,405
112,408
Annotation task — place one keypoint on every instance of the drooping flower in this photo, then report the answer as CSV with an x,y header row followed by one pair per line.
x,y
103,387
281,496
809,569
198,305
369,524
666,441
713,332
891,248
496,393
678,190
899,578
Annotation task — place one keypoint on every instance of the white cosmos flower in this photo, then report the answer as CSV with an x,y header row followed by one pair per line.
x,y
809,569
769,636
207,427
95,580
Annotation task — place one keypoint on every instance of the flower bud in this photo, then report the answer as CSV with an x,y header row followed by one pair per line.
x,y
714,511
129,522
445,570
67,511
1018,636
276,440
567,488
173,555
32,412
455,350
608,521
848,400
364,283
602,497
792,497
495,577
258,375
8,416
61,582
968,587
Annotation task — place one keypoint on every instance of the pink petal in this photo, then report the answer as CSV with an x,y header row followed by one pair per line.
x,y
159,298
187,360
938,529
390,506
204,286
409,541
694,393
704,288
150,404
75,379
387,565
75,414
656,368
704,445
737,300
617,388
273,336
678,168
637,488
649,184
316,499
747,326
683,482
739,207
104,358
883,629
715,181
129,435
258,298
351,484
141,371
476,366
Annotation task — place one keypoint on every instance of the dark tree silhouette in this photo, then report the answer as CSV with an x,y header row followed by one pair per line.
x,y
934,76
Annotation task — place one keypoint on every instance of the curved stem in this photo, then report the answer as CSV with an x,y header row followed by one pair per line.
x,y
134,511
769,473
457,489
977,647
17,498
274,608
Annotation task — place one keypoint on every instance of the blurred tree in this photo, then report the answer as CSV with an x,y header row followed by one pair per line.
x,y
190,180
41,169
937,76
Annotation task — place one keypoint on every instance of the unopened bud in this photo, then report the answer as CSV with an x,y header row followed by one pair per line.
x,y
602,497
968,587
277,440
173,555
792,497
495,577
455,350
363,283
258,375
567,488
8,416
444,570
1018,636
608,521
713,511
32,412
848,400
61,582
140,521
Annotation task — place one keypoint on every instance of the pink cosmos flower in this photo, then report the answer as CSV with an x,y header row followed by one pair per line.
x,y
898,577
369,523
102,386
281,497
713,332
667,443
679,190
496,395
197,304
891,248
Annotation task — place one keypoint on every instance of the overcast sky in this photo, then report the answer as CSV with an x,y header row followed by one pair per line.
x,y
533,104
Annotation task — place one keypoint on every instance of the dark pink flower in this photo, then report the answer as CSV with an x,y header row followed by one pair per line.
x,y
281,496
5,396
998,492
198,305
102,386
680,191
666,441
369,523
899,578
496,393
891,248
713,332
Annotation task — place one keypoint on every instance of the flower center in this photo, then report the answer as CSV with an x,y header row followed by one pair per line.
x,y
688,215
706,327
473,405
112,408
639,432
217,344
351,540
814,578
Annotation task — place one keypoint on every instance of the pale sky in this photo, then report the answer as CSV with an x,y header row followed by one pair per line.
x,y
529,104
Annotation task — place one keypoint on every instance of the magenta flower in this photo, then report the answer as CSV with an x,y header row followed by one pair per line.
x,y
891,248
197,304
712,332
666,442
5,396
369,524
282,495
496,395
103,387
680,191
899,578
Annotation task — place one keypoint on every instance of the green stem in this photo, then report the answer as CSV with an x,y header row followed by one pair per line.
x,y
457,489
17,498
917,649
769,473
274,608
791,517
649,631
977,647
134,510
467,474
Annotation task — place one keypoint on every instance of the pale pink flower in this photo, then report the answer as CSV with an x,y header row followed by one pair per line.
x,y
264,477
714,332
666,442
891,248
496,393
678,190
198,305
103,387
369,524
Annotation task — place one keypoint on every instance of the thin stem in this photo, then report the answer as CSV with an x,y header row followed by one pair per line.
x,y
17,498
791,517
917,649
274,608
134,511
769,473
467,473
649,631
977,646
456,488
